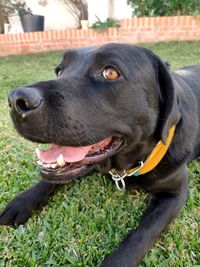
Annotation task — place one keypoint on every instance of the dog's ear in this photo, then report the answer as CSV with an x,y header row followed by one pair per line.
x,y
169,113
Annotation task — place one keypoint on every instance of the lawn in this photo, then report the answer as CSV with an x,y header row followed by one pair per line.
x,y
86,219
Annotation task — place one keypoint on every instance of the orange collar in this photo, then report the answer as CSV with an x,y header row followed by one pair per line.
x,y
149,164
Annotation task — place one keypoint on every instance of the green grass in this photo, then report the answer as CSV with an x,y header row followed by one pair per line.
x,y
86,219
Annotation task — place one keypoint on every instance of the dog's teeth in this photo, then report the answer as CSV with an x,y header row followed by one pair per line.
x,y
53,165
39,162
60,161
37,151
47,165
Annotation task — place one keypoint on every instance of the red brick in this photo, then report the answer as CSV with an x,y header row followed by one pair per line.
x,y
92,32
133,30
123,23
153,22
146,29
133,22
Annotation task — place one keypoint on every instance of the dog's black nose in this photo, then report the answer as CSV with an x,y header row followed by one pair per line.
x,y
24,99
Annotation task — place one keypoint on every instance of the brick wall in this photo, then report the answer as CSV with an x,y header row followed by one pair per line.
x,y
135,30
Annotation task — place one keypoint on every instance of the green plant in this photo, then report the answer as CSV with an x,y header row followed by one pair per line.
x,y
17,7
104,25
164,7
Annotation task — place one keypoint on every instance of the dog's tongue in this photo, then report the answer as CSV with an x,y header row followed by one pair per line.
x,y
70,154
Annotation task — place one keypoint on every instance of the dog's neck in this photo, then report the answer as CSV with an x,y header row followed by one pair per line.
x,y
148,160
128,159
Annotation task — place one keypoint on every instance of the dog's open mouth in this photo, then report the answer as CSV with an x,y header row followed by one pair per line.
x,y
62,163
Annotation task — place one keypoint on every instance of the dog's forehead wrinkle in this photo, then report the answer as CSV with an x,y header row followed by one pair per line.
x,y
114,57
79,66
79,51
128,59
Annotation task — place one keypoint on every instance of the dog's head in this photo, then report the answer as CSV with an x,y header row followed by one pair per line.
x,y
108,106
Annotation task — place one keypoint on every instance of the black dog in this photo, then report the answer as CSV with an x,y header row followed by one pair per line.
x,y
109,108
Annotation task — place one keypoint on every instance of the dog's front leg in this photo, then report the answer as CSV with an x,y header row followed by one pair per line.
x,y
19,210
162,208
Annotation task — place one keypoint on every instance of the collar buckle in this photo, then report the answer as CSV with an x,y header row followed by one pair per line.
x,y
119,177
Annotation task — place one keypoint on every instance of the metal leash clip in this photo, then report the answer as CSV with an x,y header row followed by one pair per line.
x,y
119,178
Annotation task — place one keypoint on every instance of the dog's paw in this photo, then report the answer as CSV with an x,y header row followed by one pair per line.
x,y
118,259
17,212
109,261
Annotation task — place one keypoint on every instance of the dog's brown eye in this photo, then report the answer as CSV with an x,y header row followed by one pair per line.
x,y
110,73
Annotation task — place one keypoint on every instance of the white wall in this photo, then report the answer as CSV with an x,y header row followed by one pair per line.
x,y
122,10
56,14
58,17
